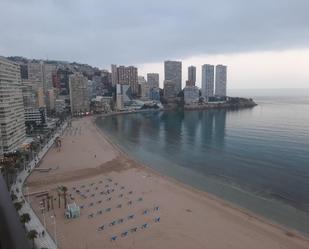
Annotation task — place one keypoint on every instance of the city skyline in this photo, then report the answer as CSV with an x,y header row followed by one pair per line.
x,y
259,53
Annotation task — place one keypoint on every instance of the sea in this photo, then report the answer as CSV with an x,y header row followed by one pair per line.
x,y
256,158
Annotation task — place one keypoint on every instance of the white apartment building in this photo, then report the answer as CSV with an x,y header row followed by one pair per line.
x,y
12,115
221,77
78,94
208,76
172,78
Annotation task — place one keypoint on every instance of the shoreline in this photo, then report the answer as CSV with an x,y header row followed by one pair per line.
x,y
189,216
221,201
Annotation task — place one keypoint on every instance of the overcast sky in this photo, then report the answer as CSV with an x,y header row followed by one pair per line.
x,y
265,43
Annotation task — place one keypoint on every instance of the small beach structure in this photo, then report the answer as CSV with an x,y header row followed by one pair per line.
x,y
72,211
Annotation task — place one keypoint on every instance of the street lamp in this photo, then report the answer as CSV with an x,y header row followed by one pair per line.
x,y
55,230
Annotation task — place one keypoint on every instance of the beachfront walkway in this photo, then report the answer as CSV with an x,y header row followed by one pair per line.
x,y
45,241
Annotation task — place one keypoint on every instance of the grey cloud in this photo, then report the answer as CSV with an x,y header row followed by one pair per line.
x,y
103,32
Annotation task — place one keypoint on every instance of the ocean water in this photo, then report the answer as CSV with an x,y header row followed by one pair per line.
x,y
257,159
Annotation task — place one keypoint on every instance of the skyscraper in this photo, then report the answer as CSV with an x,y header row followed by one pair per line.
x,y
172,78
191,76
153,79
78,93
208,76
126,76
114,75
12,119
221,78
145,88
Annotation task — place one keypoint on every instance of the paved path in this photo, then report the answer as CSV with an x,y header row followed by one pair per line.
x,y
35,223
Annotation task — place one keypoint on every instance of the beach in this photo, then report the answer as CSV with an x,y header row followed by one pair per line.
x,y
127,205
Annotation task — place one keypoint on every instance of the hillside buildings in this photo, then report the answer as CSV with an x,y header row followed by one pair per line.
x,y
221,78
12,120
78,94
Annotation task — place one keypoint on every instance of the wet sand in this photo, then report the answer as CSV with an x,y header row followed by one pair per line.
x,y
98,177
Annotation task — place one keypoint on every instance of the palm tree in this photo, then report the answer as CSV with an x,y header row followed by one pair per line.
x,y
7,168
18,205
32,235
25,218
64,190
13,197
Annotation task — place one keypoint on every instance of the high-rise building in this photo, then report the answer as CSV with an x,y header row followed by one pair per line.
x,y
48,71
191,95
145,87
78,94
221,78
126,76
35,73
29,91
12,119
41,97
114,71
51,98
191,76
169,89
172,78
153,80
106,79
208,72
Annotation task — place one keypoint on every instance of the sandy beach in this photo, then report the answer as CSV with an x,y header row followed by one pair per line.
x,y
137,207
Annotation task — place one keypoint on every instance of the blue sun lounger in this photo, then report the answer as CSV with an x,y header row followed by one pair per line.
x,y
124,234
130,216
157,219
101,228
112,223
144,226
133,230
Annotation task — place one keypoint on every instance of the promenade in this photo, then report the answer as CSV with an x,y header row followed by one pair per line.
x,y
35,223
